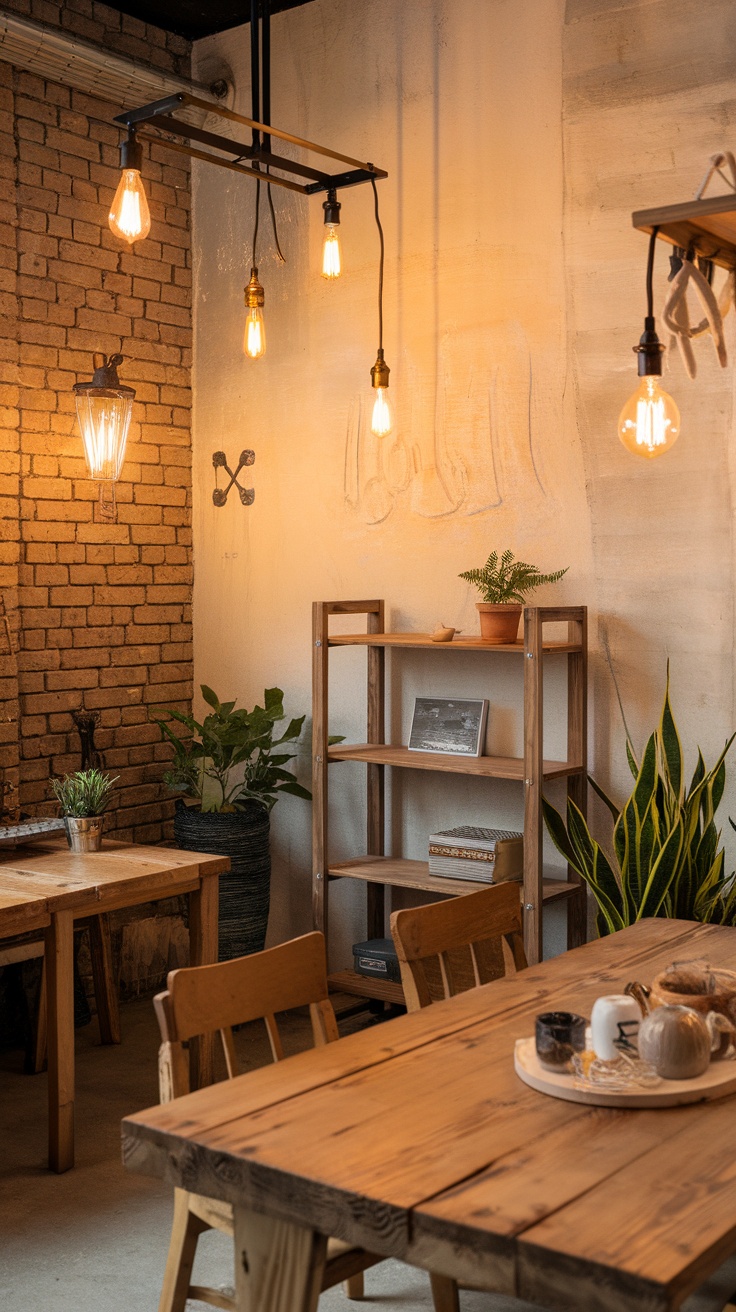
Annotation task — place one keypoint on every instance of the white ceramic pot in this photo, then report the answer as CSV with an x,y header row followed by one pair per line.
x,y
614,1026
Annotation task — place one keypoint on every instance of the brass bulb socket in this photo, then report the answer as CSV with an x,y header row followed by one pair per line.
x,y
380,371
255,298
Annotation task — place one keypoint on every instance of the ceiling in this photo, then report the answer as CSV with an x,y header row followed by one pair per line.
x,y
196,18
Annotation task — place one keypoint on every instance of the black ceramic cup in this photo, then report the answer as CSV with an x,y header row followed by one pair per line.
x,y
559,1034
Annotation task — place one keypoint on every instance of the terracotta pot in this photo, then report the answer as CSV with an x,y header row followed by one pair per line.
x,y
499,623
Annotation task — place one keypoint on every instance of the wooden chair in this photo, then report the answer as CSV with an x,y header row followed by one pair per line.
x,y
203,999
448,947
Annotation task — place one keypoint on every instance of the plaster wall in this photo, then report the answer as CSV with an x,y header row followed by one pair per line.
x,y
513,294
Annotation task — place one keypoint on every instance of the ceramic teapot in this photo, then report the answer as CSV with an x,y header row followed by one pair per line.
x,y
677,1040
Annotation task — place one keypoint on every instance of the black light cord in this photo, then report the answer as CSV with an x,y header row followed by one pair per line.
x,y
650,273
279,251
380,267
255,226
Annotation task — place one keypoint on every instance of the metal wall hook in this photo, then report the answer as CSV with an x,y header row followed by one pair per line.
x,y
247,494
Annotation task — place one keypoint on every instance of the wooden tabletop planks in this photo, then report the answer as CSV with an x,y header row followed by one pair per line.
x,y
21,912
417,1139
94,880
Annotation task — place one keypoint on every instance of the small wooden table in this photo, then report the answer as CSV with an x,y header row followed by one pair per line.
x,y
48,887
417,1140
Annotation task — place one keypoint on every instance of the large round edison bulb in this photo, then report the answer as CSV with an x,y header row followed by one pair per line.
x,y
331,267
649,423
130,217
254,338
381,420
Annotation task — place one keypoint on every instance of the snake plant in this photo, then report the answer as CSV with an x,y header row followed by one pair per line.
x,y
667,853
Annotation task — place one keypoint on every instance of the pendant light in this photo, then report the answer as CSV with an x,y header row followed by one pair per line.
x,y
254,337
104,409
381,418
649,424
331,261
130,217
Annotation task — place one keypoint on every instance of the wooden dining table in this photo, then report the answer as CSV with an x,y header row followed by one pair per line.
x,y
417,1140
46,887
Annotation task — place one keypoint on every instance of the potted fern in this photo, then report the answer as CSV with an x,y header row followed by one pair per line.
x,y
504,584
83,797
229,771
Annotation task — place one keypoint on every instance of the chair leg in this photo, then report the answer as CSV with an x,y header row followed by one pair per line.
x,y
106,994
444,1294
185,1231
354,1286
39,1047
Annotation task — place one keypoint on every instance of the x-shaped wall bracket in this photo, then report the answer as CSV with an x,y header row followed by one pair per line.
x,y
247,494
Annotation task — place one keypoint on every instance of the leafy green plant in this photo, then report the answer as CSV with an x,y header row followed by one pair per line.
x,y
667,858
232,757
83,794
506,579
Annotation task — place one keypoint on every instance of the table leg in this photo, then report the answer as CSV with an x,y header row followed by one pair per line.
x,y
60,1004
203,932
278,1266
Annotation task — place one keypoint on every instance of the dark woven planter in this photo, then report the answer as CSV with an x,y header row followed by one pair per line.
x,y
245,891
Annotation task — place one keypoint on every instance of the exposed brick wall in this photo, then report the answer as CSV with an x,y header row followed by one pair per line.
x,y
102,611
106,27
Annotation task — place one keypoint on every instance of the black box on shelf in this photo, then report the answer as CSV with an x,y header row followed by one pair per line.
x,y
376,958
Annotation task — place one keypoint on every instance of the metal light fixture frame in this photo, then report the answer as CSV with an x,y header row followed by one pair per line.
x,y
295,176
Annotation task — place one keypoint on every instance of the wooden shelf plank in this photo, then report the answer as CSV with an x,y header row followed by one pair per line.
x,y
425,640
489,767
400,872
709,225
348,981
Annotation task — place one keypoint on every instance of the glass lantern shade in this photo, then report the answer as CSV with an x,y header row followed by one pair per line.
x,y
104,409
104,419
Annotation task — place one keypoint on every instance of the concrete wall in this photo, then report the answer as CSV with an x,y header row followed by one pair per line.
x,y
513,137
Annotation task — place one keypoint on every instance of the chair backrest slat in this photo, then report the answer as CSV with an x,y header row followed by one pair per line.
x,y
208,999
447,947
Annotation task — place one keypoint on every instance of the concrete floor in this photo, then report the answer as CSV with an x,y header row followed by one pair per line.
x,y
95,1239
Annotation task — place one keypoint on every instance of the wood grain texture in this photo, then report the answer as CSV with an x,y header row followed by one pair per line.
x,y
489,767
422,640
402,872
639,1205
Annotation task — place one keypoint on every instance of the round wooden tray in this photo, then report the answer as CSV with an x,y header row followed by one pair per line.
x,y
718,1081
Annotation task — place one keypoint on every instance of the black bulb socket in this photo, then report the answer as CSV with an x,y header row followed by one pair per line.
x,y
131,152
332,208
649,351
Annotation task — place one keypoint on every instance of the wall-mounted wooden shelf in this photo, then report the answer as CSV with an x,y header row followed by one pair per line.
x,y
379,871
709,226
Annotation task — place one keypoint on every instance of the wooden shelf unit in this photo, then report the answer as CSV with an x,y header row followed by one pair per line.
x,y
379,871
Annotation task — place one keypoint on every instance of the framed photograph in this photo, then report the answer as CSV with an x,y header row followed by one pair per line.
x,y
449,726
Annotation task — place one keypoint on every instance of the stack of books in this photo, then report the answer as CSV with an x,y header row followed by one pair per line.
x,y
489,856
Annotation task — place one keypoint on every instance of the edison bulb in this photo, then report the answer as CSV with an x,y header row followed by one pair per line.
x,y
331,266
130,217
649,423
254,338
381,421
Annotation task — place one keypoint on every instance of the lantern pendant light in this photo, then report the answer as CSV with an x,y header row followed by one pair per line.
x,y
104,409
